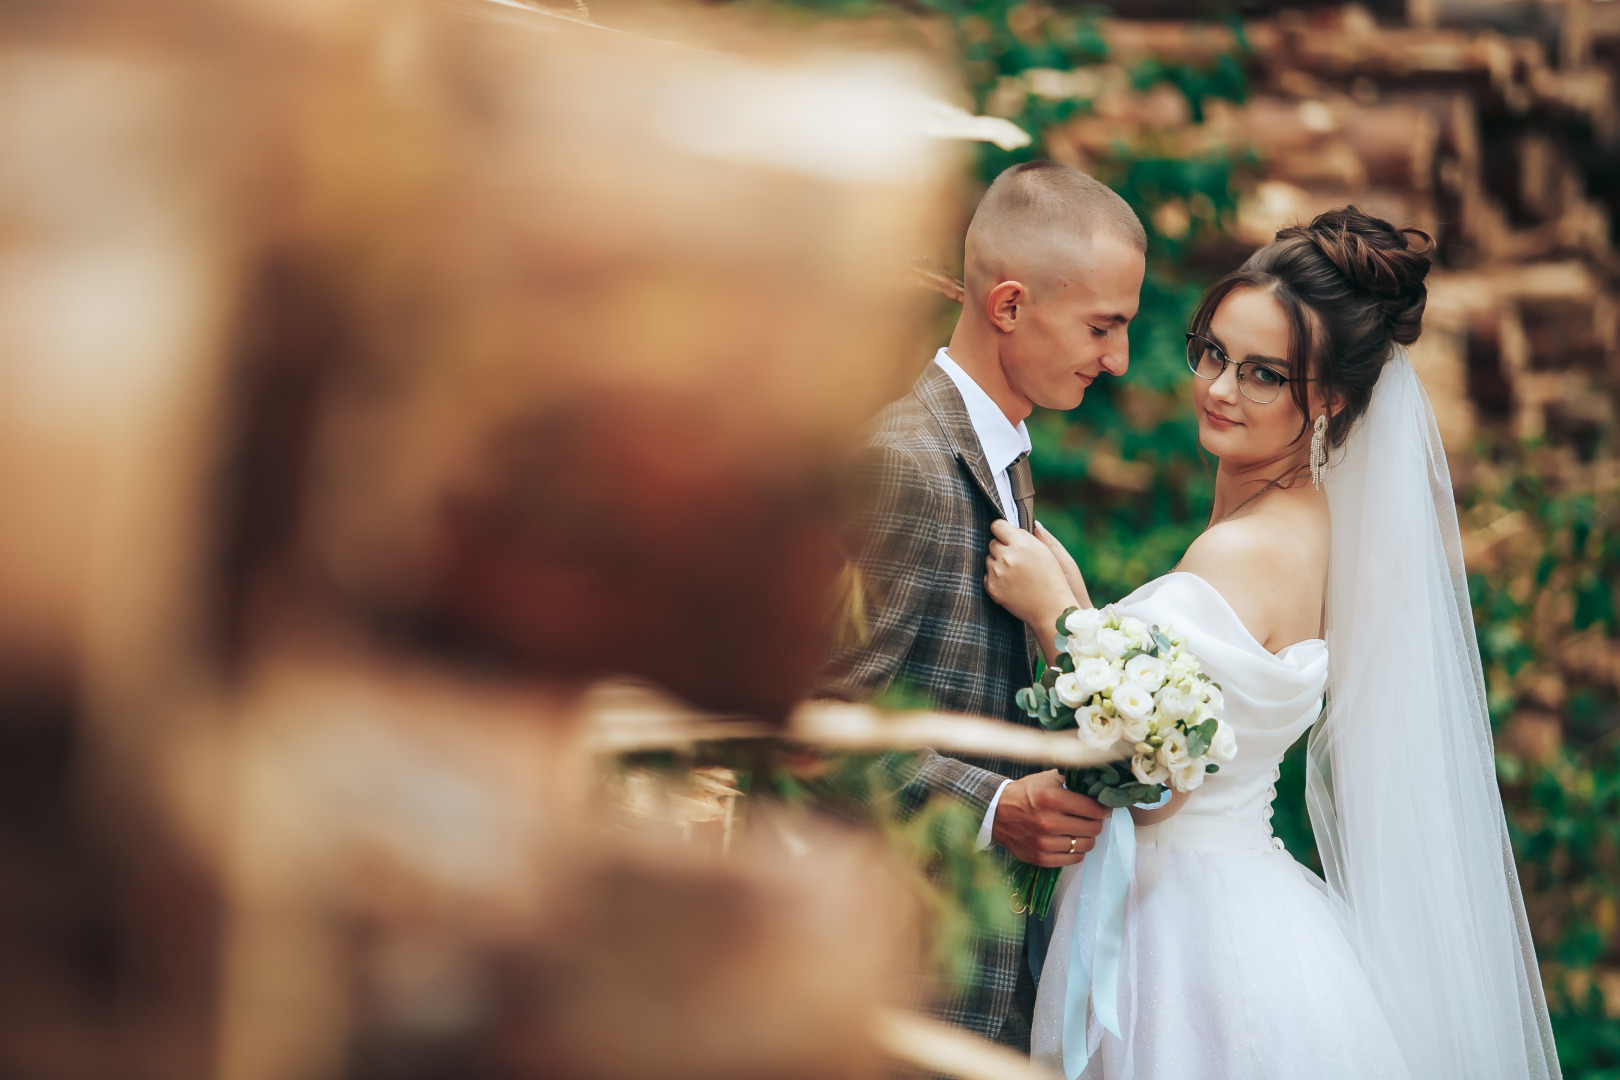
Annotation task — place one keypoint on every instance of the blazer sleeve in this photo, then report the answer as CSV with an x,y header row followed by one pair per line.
x,y
897,540
894,554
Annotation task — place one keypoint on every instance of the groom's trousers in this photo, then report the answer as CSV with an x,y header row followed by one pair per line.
x,y
1015,1031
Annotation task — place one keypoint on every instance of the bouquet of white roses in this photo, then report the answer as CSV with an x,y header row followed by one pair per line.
x,y
1126,686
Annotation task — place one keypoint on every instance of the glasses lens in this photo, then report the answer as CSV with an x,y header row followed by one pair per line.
x,y
1259,383
1203,358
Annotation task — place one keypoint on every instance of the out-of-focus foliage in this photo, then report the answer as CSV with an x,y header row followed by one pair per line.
x,y
961,892
1546,601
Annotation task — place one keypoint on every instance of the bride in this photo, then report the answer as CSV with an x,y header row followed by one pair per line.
x,y
1414,959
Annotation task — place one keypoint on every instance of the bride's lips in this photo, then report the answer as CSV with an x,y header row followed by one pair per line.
x,y
1220,423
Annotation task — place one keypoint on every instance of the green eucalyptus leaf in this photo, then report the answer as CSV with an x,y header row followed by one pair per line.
x,y
1058,719
1197,745
1049,677
1025,699
1212,767
1114,798
1063,619
1208,728
1065,662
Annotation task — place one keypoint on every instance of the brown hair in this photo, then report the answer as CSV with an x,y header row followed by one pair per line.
x,y
1352,286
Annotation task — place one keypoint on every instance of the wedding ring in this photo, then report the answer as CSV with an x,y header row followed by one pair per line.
x,y
1073,840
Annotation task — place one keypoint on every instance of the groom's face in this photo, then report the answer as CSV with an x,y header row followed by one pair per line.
x,y
1075,324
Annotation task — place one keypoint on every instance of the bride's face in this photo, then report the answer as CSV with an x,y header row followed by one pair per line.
x,y
1250,325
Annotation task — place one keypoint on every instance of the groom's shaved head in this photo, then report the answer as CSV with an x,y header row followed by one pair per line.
x,y
1053,269
1036,222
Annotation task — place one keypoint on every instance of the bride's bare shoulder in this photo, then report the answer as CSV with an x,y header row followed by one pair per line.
x,y
1270,566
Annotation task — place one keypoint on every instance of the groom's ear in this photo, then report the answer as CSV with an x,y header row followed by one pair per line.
x,y
1004,305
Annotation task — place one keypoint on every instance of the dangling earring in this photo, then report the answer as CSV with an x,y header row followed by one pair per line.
x,y
1319,451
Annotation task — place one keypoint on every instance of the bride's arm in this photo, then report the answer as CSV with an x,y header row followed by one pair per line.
x,y
1023,575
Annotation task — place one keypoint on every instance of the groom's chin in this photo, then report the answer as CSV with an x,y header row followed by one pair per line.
x,y
1069,398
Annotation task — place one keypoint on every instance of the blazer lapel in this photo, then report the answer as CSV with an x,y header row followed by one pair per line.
x,y
940,396
936,391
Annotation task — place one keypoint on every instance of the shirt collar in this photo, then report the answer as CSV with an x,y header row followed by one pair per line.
x,y
1000,441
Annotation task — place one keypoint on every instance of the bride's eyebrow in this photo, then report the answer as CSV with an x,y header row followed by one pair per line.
x,y
1279,361
1252,356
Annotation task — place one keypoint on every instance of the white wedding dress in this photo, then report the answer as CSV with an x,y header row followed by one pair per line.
x,y
1235,964
1413,958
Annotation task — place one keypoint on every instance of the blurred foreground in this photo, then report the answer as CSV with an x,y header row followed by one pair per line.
x,y
375,378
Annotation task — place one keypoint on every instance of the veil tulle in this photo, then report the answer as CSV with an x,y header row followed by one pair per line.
x,y
1401,779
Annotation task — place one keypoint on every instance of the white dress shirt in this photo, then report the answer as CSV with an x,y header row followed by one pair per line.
x,y
1001,443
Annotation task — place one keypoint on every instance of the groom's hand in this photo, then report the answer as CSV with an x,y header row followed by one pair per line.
x,y
1039,821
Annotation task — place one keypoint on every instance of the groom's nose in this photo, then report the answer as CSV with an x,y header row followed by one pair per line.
x,y
1118,358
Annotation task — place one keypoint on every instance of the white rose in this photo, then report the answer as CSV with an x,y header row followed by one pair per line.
x,y
1188,775
1069,692
1132,701
1113,643
1136,728
1079,651
1173,751
1148,770
1136,632
1223,747
1098,728
1094,675
1146,671
1082,626
1216,699
1183,666
1174,704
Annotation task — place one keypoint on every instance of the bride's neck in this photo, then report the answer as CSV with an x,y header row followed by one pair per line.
x,y
1236,485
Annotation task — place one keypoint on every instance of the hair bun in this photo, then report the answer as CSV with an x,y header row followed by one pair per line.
x,y
1380,260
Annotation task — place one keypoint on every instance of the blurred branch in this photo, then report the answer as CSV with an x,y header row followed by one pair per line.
x,y
945,121
1475,544
860,728
941,1048
627,719
929,275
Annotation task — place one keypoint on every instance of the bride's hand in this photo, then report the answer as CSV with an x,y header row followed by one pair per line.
x,y
1023,576
1071,570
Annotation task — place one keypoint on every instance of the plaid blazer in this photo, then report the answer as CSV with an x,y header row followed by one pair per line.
x,y
922,537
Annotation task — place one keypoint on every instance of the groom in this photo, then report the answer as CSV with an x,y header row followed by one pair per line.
x,y
1053,267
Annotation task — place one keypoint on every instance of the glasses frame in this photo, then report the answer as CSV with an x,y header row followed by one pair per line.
x,y
1243,369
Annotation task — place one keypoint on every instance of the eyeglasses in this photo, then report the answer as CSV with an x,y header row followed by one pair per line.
x,y
1257,382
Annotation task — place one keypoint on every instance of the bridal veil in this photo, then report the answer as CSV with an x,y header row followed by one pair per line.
x,y
1401,781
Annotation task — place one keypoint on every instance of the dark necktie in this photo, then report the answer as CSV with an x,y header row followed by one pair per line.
x,y
1023,490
